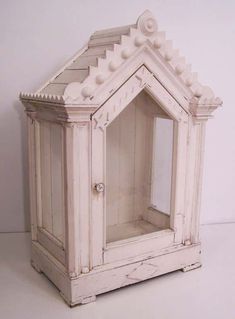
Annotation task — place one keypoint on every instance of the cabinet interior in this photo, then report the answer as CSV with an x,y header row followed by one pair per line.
x,y
139,150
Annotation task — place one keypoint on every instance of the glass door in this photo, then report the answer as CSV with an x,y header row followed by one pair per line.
x,y
139,150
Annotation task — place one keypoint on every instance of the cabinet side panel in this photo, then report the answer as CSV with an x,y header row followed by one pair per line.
x,y
45,160
57,177
52,176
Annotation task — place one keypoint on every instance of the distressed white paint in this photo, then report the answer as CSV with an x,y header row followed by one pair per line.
x,y
74,161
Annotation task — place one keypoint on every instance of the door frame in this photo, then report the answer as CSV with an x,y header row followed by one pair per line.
x,y
142,79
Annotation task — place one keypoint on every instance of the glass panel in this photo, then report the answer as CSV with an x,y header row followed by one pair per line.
x,y
138,166
162,164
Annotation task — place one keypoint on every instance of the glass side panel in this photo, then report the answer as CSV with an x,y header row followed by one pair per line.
x,y
162,164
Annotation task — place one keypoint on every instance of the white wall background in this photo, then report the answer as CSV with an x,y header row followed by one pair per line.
x,y
37,37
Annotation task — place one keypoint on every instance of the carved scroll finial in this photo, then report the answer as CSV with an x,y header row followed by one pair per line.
x,y
147,23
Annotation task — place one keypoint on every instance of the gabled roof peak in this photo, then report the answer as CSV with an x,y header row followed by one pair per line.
x,y
107,52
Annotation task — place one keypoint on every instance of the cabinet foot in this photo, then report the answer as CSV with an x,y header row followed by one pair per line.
x,y
191,267
88,300
82,301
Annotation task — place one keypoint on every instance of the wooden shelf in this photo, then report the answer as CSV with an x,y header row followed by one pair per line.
x,y
130,229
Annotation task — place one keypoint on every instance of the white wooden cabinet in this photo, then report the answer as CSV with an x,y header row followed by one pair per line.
x,y
116,142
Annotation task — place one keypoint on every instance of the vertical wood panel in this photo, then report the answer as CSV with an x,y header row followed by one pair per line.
x,y
151,109
194,179
140,164
162,164
98,203
126,172
71,215
32,177
45,146
179,176
57,193
38,173
82,190
112,168
200,148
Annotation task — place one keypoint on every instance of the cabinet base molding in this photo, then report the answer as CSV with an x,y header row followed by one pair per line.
x,y
84,288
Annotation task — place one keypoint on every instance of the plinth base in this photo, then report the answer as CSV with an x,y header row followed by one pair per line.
x,y
85,287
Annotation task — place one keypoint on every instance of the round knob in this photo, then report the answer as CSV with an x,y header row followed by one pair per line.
x,y
99,187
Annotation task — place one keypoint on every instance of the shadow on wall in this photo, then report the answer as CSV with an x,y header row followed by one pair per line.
x,y
18,107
